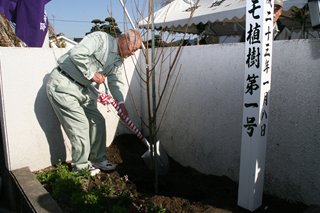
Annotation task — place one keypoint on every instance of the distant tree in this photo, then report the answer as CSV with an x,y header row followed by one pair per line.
x,y
97,23
111,27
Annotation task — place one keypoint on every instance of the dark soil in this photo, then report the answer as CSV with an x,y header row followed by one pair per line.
x,y
183,189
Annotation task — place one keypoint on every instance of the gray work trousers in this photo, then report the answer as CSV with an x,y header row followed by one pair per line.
x,y
76,109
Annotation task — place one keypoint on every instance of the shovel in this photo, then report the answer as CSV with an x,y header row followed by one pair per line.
x,y
159,158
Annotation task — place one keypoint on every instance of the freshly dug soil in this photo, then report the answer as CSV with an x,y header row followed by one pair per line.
x,y
183,189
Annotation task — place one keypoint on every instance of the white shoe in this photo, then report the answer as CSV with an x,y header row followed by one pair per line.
x,y
104,165
93,171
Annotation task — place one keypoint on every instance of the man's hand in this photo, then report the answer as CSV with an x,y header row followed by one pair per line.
x,y
98,78
123,110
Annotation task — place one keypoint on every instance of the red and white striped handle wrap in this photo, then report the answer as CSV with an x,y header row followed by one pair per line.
x,y
105,99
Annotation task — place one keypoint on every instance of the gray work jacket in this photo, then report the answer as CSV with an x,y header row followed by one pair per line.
x,y
97,52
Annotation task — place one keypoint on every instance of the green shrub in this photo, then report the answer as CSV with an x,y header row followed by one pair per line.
x,y
79,192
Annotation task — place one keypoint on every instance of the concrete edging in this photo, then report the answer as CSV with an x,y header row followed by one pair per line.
x,y
29,194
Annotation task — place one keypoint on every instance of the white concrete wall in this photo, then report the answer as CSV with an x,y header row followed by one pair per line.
x,y
202,126
293,151
32,134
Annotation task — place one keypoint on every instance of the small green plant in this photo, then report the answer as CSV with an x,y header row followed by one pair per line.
x,y
83,193
46,177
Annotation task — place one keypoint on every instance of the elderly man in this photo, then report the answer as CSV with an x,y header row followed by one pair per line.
x,y
97,57
280,31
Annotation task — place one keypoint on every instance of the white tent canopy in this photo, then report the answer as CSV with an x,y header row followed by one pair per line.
x,y
226,17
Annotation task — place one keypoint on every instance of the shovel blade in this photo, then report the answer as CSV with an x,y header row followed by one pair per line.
x,y
159,159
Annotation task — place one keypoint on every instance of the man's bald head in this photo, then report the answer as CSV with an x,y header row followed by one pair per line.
x,y
129,42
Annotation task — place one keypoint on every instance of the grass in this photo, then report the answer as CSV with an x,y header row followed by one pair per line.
x,y
80,192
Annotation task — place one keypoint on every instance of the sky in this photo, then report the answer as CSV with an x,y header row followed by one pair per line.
x,y
73,17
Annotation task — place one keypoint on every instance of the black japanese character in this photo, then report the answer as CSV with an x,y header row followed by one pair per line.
x,y
254,34
255,105
253,57
250,125
254,8
268,16
263,129
267,66
268,33
265,100
267,50
251,85
264,114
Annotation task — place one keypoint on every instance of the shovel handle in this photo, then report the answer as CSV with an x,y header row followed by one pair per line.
x,y
105,99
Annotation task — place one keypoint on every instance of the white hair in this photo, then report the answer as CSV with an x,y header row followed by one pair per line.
x,y
133,37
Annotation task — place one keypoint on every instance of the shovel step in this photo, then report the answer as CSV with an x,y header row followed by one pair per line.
x,y
158,159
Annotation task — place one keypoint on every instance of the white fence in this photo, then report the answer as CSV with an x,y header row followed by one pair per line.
x,y
202,126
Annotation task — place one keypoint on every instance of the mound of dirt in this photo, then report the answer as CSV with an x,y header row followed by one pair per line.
x,y
184,189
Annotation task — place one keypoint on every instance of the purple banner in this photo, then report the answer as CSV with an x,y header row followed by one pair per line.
x,y
7,8
30,18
